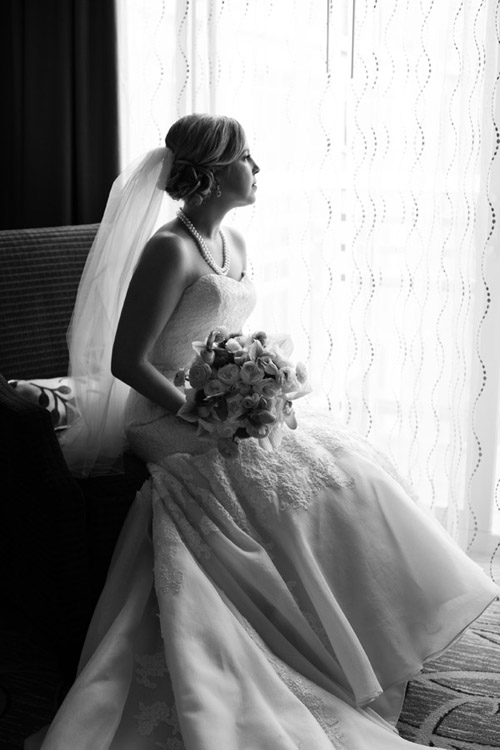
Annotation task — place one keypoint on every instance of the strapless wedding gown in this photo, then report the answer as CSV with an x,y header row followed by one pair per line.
x,y
279,601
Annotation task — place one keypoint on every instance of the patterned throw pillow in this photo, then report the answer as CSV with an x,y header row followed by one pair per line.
x,y
57,395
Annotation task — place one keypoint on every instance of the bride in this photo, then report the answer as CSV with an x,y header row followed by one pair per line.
x,y
274,601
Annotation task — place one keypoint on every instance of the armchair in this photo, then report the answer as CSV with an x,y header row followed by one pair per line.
x,y
57,533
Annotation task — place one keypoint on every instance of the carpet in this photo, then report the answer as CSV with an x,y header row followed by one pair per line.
x,y
455,702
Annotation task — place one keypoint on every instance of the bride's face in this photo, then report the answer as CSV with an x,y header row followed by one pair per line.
x,y
238,180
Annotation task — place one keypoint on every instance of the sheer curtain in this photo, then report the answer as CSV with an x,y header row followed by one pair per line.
x,y
375,236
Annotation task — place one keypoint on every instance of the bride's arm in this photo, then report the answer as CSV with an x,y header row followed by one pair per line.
x,y
155,289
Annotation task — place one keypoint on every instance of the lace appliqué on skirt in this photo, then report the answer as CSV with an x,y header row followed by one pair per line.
x,y
166,539
339,439
151,716
289,478
150,665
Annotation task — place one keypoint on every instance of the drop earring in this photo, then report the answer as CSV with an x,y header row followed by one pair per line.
x,y
218,191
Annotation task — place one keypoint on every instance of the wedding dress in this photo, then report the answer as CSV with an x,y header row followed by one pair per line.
x,y
279,601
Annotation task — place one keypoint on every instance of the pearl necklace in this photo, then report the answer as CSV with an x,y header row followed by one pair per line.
x,y
202,245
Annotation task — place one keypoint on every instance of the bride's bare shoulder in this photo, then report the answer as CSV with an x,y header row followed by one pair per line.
x,y
166,250
165,266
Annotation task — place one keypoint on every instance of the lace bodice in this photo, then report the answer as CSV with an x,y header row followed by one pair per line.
x,y
211,301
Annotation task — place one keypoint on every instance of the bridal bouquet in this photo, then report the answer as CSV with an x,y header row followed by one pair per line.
x,y
242,387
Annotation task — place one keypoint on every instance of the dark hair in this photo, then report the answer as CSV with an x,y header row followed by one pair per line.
x,y
202,145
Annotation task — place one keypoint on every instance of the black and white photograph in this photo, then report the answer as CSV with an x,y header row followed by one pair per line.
x,y
250,375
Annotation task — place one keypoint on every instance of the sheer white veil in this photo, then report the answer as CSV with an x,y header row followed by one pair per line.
x,y
95,439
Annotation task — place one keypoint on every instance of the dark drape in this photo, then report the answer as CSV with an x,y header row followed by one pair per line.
x,y
59,111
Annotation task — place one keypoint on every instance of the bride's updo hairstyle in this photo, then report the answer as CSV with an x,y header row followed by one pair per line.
x,y
202,145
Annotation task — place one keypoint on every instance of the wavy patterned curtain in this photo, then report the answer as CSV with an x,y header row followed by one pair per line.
x,y
375,236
